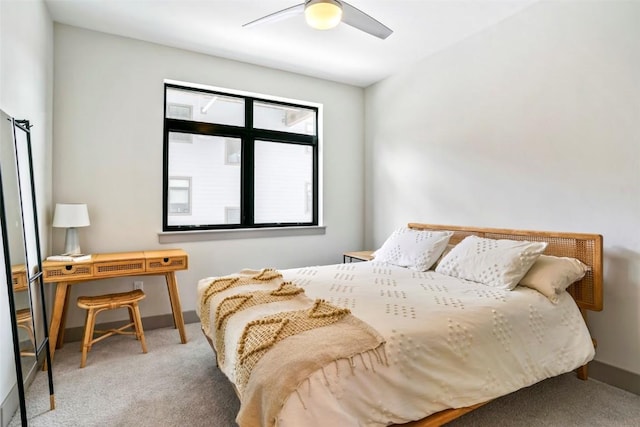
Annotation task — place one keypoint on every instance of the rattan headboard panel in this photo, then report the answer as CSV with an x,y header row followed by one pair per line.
x,y
586,247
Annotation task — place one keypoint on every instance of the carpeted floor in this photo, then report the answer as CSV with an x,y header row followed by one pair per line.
x,y
179,385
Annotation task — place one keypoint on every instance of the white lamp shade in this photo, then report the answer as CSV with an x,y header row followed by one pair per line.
x,y
71,215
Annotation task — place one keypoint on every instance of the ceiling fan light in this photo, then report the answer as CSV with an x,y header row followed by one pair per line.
x,y
323,14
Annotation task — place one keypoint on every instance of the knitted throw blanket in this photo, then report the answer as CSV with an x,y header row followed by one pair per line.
x,y
245,277
277,352
235,303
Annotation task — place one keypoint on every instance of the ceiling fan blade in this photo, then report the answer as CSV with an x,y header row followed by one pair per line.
x,y
360,20
278,16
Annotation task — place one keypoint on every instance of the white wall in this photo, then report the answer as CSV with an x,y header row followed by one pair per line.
x,y
533,123
26,88
108,112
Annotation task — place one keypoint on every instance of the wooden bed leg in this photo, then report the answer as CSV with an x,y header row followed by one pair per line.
x,y
583,372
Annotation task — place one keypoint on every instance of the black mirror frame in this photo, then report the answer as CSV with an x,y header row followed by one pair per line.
x,y
42,347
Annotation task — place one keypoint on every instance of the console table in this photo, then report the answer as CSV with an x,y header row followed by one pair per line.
x,y
107,266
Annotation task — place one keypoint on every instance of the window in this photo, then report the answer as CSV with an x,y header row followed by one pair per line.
x,y
232,215
180,137
179,111
179,196
233,151
236,160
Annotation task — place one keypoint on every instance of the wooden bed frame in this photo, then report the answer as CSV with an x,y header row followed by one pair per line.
x,y
587,292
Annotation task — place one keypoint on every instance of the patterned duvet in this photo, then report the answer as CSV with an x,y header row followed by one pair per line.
x,y
449,343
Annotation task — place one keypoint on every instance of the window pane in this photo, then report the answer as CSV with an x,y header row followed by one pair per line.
x,y
283,177
214,184
284,118
205,107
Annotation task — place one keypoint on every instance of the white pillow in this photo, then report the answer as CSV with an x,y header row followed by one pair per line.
x,y
498,263
415,249
447,249
552,275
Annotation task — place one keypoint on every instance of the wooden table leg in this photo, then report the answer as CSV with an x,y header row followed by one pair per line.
x,y
63,320
176,309
168,277
58,315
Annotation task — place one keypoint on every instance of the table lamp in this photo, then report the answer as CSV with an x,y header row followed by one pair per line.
x,y
70,216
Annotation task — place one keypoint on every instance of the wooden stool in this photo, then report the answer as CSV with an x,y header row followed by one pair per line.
x,y
96,304
23,319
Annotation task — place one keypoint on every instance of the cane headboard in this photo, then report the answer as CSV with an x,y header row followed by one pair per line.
x,y
586,247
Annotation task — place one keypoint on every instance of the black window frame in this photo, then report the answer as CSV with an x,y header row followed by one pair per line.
x,y
248,135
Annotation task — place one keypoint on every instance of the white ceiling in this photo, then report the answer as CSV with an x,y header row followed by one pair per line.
x,y
344,54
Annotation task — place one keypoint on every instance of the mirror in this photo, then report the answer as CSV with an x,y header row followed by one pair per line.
x,y
16,246
21,247
30,225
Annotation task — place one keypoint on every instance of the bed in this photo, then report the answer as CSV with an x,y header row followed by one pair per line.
x,y
419,344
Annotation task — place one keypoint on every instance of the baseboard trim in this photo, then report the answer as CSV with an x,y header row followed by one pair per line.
x,y
616,377
148,323
9,406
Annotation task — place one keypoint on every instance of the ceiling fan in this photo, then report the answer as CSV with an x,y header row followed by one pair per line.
x,y
326,14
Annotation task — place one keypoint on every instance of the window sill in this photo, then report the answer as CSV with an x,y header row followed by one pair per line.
x,y
240,233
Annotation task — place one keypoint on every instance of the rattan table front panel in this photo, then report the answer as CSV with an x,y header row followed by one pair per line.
x,y
19,278
59,272
167,263
116,268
